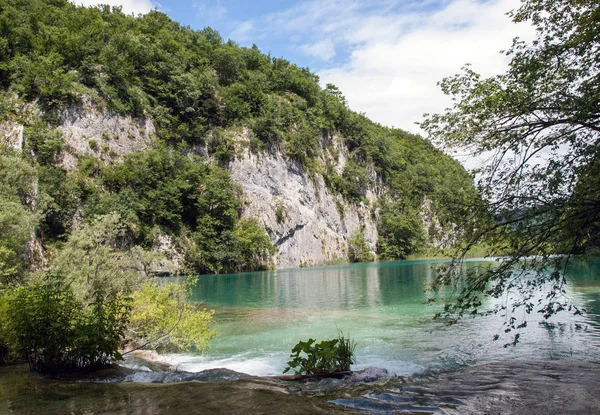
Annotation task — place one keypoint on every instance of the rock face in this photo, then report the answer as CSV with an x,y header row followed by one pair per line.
x,y
307,223
12,123
87,129
11,135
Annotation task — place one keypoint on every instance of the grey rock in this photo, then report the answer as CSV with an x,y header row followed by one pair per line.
x,y
313,231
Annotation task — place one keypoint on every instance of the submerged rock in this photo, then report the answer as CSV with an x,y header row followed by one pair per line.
x,y
371,374
552,387
545,387
211,375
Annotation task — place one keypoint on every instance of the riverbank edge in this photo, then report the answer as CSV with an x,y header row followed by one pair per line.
x,y
517,387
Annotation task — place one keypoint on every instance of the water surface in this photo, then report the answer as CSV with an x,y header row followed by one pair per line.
x,y
261,316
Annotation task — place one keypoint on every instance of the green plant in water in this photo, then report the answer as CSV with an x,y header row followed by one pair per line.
x,y
328,356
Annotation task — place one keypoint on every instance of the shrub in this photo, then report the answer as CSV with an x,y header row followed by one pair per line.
x,y
162,318
328,356
358,251
222,147
45,142
356,180
44,324
280,212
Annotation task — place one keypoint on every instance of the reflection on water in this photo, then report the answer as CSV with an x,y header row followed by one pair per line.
x,y
341,287
261,316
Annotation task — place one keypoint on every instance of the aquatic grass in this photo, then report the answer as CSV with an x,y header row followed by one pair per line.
x,y
345,352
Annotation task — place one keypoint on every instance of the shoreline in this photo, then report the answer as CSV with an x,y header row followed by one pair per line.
x,y
517,387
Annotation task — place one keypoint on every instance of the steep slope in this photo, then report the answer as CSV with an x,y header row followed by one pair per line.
x,y
227,158
307,222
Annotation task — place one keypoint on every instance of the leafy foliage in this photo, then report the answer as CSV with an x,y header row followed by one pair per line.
x,y
160,187
328,356
79,316
99,256
161,318
401,231
17,218
43,323
358,251
541,122
247,247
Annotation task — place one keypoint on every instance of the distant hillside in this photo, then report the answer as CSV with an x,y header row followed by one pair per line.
x,y
219,157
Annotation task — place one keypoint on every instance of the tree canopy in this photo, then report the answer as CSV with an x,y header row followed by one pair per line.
x,y
538,125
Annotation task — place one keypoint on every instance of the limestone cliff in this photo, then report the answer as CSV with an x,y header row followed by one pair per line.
x,y
90,130
306,222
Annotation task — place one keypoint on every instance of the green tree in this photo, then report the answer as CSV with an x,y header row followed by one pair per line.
x,y
541,122
160,187
229,63
356,180
401,231
18,218
162,319
358,251
253,245
101,255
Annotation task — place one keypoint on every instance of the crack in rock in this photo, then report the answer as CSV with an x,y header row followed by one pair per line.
x,y
289,235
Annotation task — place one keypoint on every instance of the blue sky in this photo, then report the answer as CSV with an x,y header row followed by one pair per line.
x,y
295,30
385,55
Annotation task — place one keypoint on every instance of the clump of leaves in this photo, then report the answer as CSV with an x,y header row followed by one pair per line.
x,y
162,319
43,323
328,356
358,250
281,212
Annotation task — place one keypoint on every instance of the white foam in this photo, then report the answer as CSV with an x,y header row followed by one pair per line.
x,y
260,363
250,363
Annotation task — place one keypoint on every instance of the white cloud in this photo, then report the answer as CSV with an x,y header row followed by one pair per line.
x,y
324,49
242,32
129,6
396,61
210,13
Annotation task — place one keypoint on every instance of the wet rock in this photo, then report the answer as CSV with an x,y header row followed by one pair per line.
x,y
517,388
211,375
371,374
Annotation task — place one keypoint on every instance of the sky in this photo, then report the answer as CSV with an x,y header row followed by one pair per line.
x,y
385,55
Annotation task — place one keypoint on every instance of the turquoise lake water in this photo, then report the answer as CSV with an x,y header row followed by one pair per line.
x,y
261,316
